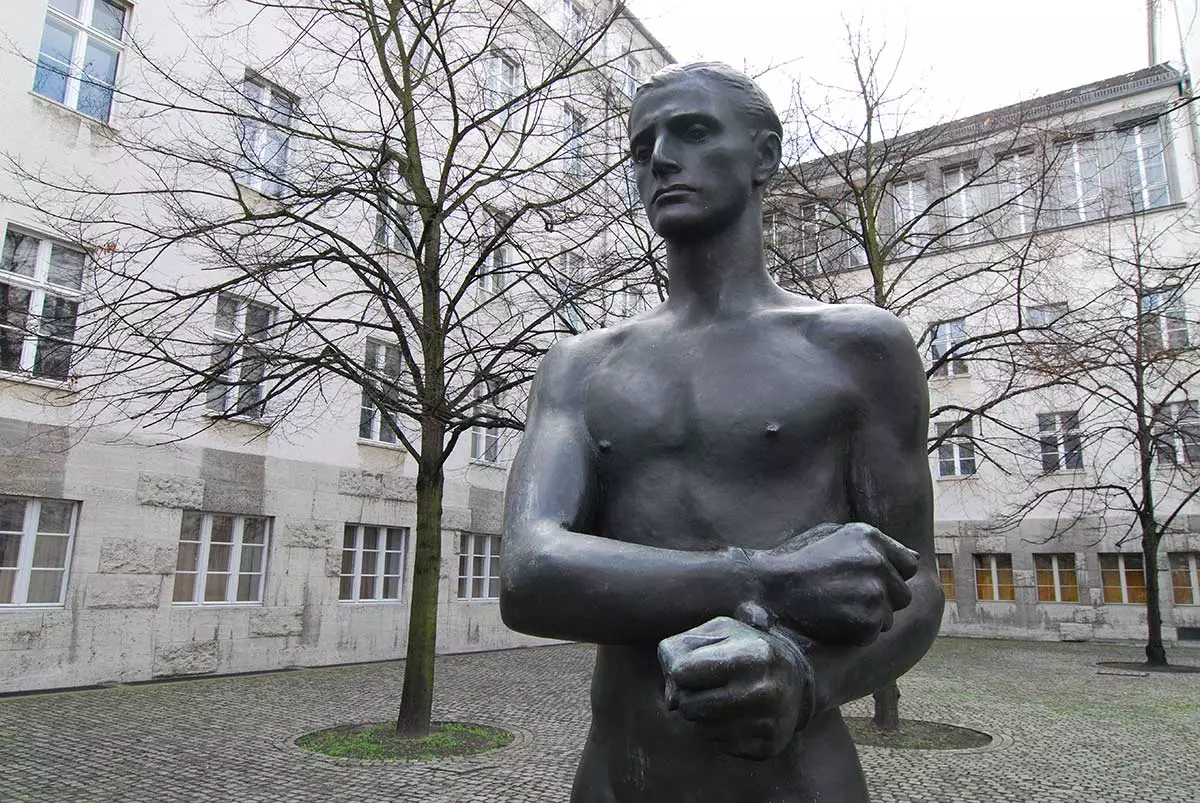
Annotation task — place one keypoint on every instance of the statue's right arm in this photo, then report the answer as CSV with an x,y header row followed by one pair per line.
x,y
558,579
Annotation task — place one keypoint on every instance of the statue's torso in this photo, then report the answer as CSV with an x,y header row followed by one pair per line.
x,y
736,434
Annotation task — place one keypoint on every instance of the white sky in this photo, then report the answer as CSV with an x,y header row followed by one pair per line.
x,y
963,57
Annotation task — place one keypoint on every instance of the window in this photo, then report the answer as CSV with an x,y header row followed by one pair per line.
x,y
1164,321
485,438
1045,316
372,563
1177,433
907,201
396,220
962,204
1145,168
382,366
1123,578
574,148
825,244
945,567
1056,579
264,135
993,577
497,272
478,566
574,22
1185,577
36,536
570,288
1060,441
956,450
77,60
222,558
1018,196
239,362
943,338
631,76
1076,189
39,303
503,80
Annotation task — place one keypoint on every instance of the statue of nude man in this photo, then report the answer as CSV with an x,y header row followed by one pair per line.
x,y
730,493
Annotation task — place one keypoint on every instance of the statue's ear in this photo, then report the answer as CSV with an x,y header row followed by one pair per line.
x,y
768,151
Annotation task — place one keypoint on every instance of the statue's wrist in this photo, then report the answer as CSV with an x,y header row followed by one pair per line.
x,y
796,647
753,591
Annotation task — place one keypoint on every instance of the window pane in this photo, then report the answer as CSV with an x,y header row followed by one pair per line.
x,y
8,582
477,588
370,538
395,539
20,253
254,531
248,586
70,7
66,266
14,314
99,73
346,588
462,587
185,586
369,561
10,547
366,589
189,529
214,587
50,551
57,329
348,561
222,529
189,554
109,18
252,559
392,564
12,514
391,588
45,585
218,557
227,307
54,60
348,536
55,517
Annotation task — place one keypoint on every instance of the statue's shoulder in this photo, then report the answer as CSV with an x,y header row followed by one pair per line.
x,y
860,334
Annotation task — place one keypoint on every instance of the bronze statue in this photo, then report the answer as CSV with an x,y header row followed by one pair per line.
x,y
729,494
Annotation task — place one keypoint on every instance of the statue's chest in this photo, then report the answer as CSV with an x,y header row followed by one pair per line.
x,y
722,398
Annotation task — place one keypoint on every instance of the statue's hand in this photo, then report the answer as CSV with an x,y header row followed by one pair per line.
x,y
837,584
746,690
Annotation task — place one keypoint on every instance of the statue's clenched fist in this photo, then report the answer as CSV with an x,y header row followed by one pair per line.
x,y
745,690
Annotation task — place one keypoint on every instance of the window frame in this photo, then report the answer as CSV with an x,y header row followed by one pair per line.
x,y
23,568
1050,565
395,218
1190,568
233,351
39,286
491,554
989,563
265,175
372,418
945,569
1123,571
956,448
940,346
83,35
202,571
1176,430
357,551
574,144
503,81
1055,436
1132,154
1163,319
1079,194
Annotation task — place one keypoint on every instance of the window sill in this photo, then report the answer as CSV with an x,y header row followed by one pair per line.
x,y
221,418
957,478
1067,473
371,602
477,599
392,447
65,385
496,464
106,127
210,605
945,378
33,607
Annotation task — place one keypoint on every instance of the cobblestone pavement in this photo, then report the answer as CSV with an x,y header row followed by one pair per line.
x,y
1067,732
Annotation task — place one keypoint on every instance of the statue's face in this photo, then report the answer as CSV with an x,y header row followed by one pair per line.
x,y
694,157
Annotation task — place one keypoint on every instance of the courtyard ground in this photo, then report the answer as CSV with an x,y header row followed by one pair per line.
x,y
1066,730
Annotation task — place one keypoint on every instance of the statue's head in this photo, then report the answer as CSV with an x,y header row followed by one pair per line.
x,y
704,140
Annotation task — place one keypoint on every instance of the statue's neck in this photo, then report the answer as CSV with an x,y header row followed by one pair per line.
x,y
721,274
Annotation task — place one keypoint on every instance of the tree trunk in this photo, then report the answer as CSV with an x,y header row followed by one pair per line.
x,y
416,699
1156,653
887,707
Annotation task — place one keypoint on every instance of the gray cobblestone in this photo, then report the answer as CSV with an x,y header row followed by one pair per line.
x,y
1068,733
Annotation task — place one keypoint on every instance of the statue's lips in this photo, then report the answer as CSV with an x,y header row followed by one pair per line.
x,y
674,192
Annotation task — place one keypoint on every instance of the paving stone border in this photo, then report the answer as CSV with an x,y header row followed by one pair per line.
x,y
521,738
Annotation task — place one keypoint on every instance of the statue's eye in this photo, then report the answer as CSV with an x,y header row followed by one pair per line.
x,y
696,132
641,154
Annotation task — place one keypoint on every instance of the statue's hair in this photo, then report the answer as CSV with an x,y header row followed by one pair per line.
x,y
749,96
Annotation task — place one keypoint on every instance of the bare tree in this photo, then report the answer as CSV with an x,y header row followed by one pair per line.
x,y
397,207
938,224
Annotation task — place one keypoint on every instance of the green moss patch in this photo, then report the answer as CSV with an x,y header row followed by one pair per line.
x,y
1134,666
915,734
377,741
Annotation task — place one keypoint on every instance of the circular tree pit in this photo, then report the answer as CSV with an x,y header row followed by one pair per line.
x,y
377,741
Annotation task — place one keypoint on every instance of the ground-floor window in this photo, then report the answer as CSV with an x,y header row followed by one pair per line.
x,y
479,566
372,563
945,566
1185,577
1123,576
222,558
993,576
1056,577
36,536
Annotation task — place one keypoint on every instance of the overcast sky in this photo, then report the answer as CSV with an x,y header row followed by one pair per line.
x,y
965,56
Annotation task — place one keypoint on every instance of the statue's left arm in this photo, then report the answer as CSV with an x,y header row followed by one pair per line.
x,y
890,489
